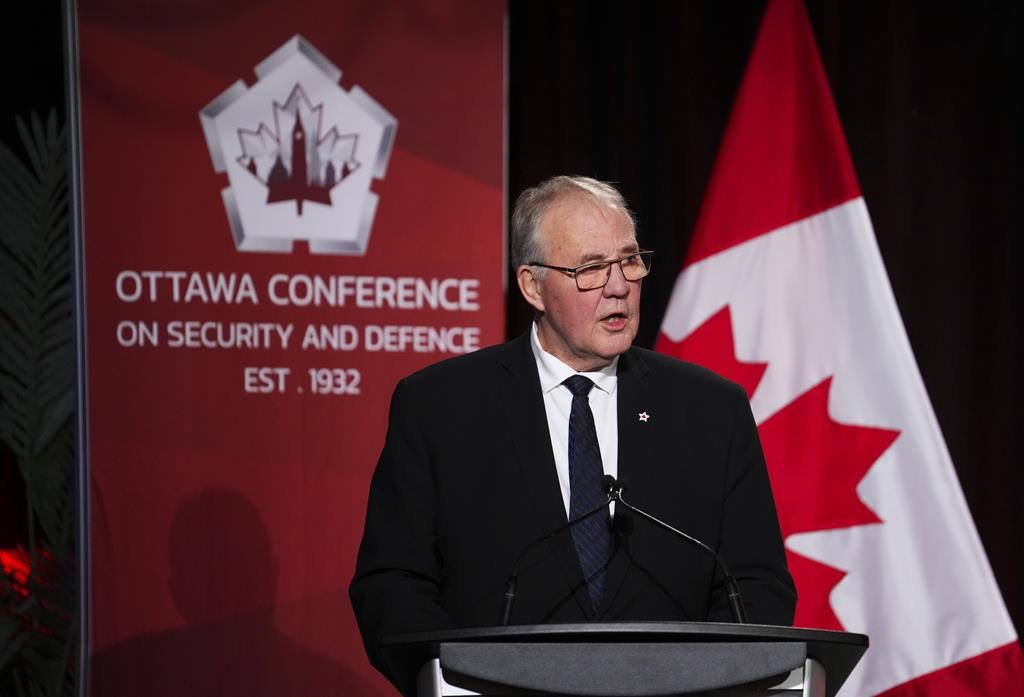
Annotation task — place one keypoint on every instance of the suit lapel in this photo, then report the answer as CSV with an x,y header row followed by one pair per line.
x,y
527,420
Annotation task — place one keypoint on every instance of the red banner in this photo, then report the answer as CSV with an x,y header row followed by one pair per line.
x,y
287,207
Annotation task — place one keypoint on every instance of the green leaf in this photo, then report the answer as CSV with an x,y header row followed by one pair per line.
x,y
35,323
38,637
11,641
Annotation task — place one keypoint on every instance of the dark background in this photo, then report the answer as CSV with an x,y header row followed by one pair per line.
x,y
638,93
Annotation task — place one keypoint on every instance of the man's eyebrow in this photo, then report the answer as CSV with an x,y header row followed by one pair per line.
x,y
623,252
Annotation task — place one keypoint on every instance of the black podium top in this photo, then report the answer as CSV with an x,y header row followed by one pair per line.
x,y
838,652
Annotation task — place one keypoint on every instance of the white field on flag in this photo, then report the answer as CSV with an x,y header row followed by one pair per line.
x,y
812,300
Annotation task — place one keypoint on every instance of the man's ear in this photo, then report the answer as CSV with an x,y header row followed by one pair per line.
x,y
529,286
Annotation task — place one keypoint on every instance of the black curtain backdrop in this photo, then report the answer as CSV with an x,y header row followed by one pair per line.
x,y
638,93
928,94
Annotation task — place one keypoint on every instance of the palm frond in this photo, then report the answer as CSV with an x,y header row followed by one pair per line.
x,y
49,489
38,618
11,640
35,309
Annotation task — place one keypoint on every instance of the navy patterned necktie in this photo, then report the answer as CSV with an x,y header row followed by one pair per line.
x,y
592,536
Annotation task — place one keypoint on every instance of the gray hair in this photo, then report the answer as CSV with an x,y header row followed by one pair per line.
x,y
535,201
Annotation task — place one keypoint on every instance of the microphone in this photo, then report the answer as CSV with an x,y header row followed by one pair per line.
x,y
739,615
513,578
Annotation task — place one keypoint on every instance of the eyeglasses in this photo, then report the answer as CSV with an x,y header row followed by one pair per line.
x,y
596,275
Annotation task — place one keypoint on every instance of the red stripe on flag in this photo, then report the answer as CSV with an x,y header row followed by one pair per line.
x,y
783,156
995,672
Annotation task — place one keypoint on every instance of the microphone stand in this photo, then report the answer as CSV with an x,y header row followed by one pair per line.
x,y
513,579
739,614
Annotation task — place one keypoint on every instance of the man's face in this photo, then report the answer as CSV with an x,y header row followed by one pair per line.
x,y
584,329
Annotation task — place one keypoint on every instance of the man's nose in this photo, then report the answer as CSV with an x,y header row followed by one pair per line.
x,y
617,284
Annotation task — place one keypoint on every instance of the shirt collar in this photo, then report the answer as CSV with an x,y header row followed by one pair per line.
x,y
553,372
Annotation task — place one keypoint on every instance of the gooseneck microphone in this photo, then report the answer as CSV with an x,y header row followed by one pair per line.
x,y
614,490
513,578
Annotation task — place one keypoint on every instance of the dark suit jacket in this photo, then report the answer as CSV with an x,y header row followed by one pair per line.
x,y
466,481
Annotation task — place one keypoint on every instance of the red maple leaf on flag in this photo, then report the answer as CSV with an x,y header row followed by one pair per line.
x,y
711,345
807,453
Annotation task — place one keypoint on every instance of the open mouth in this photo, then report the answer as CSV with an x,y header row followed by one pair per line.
x,y
614,321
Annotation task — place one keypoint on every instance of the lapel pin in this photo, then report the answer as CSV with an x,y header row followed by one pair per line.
x,y
644,416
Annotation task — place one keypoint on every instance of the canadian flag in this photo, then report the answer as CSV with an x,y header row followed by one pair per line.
x,y
784,292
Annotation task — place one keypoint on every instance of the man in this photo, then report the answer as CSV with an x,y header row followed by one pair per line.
x,y
488,452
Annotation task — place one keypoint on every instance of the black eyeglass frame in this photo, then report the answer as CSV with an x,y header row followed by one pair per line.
x,y
646,257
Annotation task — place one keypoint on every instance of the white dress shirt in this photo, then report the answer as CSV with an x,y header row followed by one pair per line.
x,y
558,402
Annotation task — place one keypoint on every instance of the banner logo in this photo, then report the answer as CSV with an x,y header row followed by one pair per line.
x,y
300,154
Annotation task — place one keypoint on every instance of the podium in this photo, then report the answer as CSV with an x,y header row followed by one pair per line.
x,y
628,659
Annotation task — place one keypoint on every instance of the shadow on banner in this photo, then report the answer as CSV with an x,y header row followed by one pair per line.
x,y
223,576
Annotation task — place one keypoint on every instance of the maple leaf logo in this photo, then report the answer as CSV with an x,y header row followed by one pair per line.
x,y
293,160
277,152
814,462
